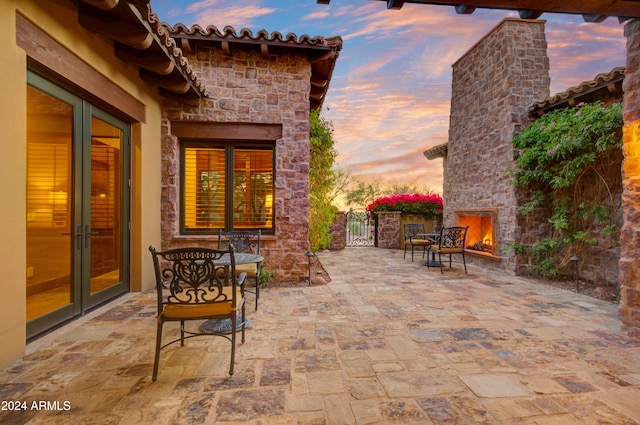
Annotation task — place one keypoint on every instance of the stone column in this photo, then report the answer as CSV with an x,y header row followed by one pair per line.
x,y
630,235
388,229
337,229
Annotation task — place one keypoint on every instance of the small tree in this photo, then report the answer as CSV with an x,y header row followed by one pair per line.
x,y
562,161
361,193
321,182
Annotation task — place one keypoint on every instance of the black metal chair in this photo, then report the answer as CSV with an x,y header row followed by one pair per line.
x,y
197,284
244,241
415,236
451,241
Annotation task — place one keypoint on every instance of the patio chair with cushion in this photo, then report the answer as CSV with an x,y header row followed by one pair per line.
x,y
196,284
415,236
247,241
451,241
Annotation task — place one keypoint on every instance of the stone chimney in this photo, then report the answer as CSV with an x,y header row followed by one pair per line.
x,y
493,86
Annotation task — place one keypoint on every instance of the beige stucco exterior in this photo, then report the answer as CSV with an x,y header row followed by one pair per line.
x,y
59,19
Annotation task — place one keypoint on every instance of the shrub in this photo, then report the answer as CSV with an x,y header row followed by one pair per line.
x,y
423,204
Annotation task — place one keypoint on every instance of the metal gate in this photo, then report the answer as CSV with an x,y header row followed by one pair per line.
x,y
360,229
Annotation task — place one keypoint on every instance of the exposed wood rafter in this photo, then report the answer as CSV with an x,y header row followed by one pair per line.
x,y
146,59
465,9
530,14
595,18
592,10
395,4
139,40
126,33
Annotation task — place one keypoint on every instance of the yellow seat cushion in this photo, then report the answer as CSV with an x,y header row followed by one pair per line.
x,y
194,311
448,250
249,269
421,242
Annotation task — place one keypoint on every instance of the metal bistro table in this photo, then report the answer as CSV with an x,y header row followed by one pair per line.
x,y
223,326
431,262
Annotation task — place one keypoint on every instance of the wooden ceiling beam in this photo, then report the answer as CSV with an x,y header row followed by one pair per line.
x,y
151,61
186,45
103,4
395,4
465,9
595,18
173,84
114,28
319,80
226,49
530,14
325,56
620,8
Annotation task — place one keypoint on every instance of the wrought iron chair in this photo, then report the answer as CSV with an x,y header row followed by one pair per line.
x,y
415,236
451,241
197,284
244,241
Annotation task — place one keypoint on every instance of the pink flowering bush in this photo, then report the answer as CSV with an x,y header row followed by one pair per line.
x,y
417,203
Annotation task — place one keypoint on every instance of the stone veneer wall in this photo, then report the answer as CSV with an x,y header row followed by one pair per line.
x,y
388,229
493,85
247,88
630,236
338,232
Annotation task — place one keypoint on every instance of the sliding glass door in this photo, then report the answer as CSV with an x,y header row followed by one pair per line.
x,y
77,205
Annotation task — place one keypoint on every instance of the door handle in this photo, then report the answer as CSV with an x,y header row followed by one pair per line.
x,y
87,235
78,237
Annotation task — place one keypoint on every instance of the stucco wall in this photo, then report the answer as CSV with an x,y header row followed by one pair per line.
x,y
493,85
59,19
247,88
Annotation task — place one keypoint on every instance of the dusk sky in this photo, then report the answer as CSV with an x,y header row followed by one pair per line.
x,y
390,93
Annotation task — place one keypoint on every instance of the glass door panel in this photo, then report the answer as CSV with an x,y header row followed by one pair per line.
x,y
103,237
49,208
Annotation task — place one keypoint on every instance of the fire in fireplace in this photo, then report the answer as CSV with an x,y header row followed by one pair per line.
x,y
481,235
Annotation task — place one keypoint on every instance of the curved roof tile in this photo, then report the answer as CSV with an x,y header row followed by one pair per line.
x,y
601,81
170,44
322,52
245,34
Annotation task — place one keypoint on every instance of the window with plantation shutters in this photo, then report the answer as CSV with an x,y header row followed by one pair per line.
x,y
226,186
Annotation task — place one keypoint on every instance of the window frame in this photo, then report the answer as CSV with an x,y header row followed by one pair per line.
x,y
229,147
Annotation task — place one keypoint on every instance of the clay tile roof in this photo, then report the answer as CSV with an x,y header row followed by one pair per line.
x,y
141,40
588,91
228,33
438,151
321,52
157,49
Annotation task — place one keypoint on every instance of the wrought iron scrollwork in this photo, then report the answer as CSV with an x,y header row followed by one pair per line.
x,y
360,228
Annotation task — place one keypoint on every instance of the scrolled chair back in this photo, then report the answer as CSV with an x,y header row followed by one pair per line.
x,y
453,237
194,275
245,241
412,229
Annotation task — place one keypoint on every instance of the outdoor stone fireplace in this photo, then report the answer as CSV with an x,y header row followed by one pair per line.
x,y
482,235
493,86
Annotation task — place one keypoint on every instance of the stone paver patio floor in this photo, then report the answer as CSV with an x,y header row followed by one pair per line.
x,y
387,341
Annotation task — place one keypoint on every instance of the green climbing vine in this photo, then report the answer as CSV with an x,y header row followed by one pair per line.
x,y
565,161
321,182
